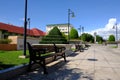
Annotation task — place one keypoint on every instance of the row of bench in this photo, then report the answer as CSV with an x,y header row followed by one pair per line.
x,y
81,47
40,53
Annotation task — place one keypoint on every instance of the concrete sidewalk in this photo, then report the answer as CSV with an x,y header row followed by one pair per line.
x,y
97,63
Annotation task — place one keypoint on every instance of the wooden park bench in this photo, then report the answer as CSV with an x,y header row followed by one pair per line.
x,y
39,54
87,45
79,47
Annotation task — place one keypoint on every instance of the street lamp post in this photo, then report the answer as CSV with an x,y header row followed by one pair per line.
x,y
116,33
72,15
115,27
29,25
80,29
25,28
95,37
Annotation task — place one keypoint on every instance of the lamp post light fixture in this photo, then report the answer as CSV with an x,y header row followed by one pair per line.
x,y
29,25
115,27
81,28
70,14
25,28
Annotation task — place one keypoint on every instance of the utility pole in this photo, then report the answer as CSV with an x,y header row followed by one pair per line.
x,y
80,29
70,14
25,28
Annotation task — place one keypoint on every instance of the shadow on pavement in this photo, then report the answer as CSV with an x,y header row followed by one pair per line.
x,y
73,54
90,59
57,71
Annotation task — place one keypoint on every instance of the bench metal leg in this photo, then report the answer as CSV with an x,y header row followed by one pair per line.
x,y
29,66
44,67
64,56
54,58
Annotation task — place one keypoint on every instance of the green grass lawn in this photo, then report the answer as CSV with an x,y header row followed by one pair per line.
x,y
11,58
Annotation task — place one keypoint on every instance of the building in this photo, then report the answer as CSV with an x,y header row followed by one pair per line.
x,y
15,33
62,27
12,30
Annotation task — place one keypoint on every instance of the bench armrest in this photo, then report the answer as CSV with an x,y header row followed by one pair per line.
x,y
58,49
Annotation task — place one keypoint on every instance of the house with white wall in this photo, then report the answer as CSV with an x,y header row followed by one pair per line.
x,y
62,27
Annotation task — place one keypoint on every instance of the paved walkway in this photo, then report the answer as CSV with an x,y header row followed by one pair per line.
x,y
96,63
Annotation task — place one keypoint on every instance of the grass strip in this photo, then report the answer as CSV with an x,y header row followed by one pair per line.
x,y
11,58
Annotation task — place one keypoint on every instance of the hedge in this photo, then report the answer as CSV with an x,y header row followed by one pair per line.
x,y
5,41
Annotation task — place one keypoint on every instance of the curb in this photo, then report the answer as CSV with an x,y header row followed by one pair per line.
x,y
13,72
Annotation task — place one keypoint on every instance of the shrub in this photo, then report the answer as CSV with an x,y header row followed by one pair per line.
x,y
5,41
111,38
55,31
53,39
73,34
54,36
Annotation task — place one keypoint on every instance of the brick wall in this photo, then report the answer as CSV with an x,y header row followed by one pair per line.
x,y
8,47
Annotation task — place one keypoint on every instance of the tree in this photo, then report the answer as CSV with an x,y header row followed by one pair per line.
x,y
73,33
99,39
111,38
87,37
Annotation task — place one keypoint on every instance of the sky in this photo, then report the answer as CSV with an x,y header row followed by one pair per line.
x,y
94,15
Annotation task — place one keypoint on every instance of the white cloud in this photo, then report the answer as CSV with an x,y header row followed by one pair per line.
x,y
110,24
108,29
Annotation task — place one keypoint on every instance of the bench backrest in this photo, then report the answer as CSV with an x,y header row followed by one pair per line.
x,y
49,48
31,51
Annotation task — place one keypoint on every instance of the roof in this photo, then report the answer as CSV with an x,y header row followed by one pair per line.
x,y
38,32
20,30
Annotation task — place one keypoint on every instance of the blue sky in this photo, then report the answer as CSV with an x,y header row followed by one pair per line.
x,y
94,15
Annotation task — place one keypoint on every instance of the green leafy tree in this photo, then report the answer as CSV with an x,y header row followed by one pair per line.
x,y
87,37
73,33
84,37
111,38
66,36
99,39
